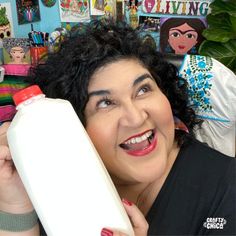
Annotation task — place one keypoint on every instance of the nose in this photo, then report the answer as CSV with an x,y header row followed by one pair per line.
x,y
133,115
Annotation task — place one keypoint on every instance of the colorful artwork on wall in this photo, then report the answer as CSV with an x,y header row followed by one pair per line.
x,y
150,28
97,7
190,10
165,8
177,7
110,9
181,35
6,23
27,11
74,10
48,3
16,51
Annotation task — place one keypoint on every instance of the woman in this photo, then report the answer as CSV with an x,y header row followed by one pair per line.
x,y
114,80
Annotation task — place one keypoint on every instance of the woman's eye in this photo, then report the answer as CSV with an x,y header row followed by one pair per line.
x,y
143,90
104,103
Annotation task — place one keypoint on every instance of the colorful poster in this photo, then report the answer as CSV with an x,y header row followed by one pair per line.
x,y
27,11
149,28
97,7
181,35
6,23
177,7
16,51
110,9
74,10
167,8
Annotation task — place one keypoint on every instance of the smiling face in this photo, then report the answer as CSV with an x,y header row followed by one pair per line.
x,y
130,122
182,38
17,54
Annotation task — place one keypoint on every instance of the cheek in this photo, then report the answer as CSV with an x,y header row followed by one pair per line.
x,y
174,42
102,135
164,117
191,42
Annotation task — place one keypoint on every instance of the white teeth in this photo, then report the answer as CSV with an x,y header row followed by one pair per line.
x,y
133,140
139,139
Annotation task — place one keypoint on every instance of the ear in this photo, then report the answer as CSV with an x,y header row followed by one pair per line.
x,y
179,125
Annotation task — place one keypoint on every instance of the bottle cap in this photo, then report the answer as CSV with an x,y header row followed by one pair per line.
x,y
26,93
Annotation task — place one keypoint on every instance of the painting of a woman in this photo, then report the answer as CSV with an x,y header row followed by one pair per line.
x,y
181,35
16,50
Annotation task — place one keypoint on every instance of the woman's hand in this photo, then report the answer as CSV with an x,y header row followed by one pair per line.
x,y
13,197
140,225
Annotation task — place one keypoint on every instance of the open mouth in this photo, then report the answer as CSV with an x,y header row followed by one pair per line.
x,y
181,47
139,143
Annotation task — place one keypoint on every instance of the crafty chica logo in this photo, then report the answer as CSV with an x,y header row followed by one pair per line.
x,y
214,223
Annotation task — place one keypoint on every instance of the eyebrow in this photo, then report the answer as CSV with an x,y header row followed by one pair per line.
x,y
183,32
103,92
141,78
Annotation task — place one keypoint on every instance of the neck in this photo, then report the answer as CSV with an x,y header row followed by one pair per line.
x,y
144,194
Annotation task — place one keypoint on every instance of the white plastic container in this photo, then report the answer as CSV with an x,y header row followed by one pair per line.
x,y
65,178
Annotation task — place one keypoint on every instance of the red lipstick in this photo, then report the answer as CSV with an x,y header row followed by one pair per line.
x,y
145,151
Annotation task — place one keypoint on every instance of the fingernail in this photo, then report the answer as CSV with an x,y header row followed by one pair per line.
x,y
106,232
127,202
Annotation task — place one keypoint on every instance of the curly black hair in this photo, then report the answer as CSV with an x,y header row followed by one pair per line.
x,y
67,73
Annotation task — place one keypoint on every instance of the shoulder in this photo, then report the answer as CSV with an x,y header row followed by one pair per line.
x,y
201,152
205,163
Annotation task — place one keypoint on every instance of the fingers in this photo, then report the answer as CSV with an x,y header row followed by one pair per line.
x,y
138,220
6,164
3,130
4,127
4,153
111,232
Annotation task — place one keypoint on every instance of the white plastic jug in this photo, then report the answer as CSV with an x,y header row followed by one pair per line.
x,y
63,174
2,73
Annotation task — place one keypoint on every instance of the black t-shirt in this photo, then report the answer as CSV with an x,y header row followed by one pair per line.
x,y
198,196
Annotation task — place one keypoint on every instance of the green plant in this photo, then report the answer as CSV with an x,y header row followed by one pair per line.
x,y
220,35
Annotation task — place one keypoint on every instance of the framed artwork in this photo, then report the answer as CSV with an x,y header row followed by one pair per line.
x,y
97,7
74,10
149,28
110,9
149,24
27,11
177,7
6,23
134,9
181,35
16,51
